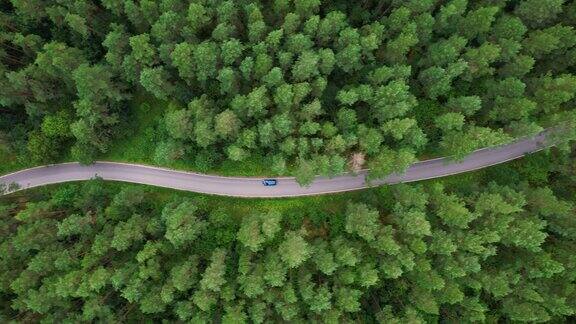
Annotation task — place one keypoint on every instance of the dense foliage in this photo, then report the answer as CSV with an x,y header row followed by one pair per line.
x,y
493,252
309,87
320,86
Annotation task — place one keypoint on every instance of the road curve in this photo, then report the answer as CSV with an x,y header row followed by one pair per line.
x,y
252,186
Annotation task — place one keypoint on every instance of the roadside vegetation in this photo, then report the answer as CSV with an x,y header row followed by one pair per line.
x,y
138,143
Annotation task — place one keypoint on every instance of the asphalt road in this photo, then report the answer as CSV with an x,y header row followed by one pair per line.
x,y
252,187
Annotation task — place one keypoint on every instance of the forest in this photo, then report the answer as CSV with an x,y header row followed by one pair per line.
x,y
462,249
306,87
289,88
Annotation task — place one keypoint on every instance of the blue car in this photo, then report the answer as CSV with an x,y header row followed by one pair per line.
x,y
269,182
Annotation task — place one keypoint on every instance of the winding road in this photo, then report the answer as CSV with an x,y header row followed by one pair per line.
x,y
252,186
